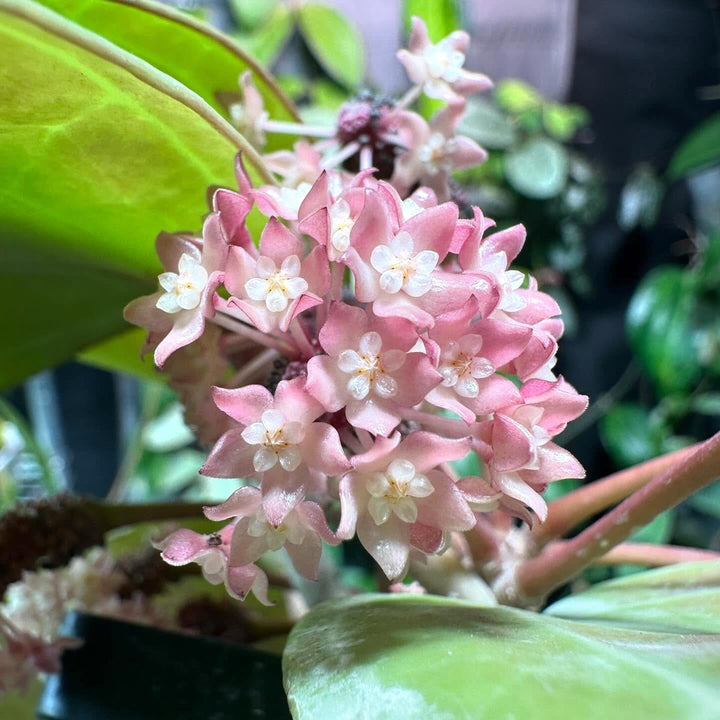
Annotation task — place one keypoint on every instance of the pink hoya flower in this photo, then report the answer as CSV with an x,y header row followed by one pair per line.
x,y
434,151
212,553
175,315
299,170
249,116
329,211
274,286
301,532
523,459
468,353
369,369
439,68
396,268
396,500
278,440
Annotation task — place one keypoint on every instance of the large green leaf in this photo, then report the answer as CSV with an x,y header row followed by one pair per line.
x,y
100,151
662,330
630,434
407,657
679,598
700,149
334,42
440,16
538,168
199,56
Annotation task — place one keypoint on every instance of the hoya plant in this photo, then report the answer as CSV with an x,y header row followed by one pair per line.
x,y
358,356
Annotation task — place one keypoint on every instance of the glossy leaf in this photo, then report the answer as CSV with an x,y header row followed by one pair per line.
x,y
661,327
484,123
194,53
700,149
640,199
678,598
630,434
252,13
517,96
86,183
538,168
407,657
334,42
267,42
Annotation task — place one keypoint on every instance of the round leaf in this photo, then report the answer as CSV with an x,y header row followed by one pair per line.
x,y
334,42
406,657
699,149
485,124
661,328
538,168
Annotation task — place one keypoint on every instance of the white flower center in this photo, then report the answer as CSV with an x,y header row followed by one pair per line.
x,y
278,441
369,366
183,289
276,287
341,224
393,492
461,367
288,531
443,62
400,269
507,281
437,153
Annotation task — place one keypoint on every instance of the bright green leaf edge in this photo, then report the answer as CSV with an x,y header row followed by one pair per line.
x,y
334,42
700,149
202,58
402,657
87,183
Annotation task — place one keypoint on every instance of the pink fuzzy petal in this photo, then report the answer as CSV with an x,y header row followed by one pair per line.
x,y
144,313
231,457
240,268
188,327
183,546
278,242
215,246
282,491
377,457
350,506
295,403
419,38
403,306
555,463
377,416
514,487
367,285
243,179
495,392
512,444
316,270
426,450
317,197
245,404
242,503
389,543
433,229
241,580
502,341
326,383
448,399
306,556
445,508
317,225
342,329
170,247
373,226
322,449
415,379
313,517
425,538
538,307
471,82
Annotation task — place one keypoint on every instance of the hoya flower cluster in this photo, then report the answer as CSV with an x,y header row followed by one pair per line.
x,y
368,338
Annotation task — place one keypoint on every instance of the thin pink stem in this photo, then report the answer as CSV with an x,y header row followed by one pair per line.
x,y
292,128
341,156
574,508
560,562
297,330
409,97
229,323
483,542
337,270
365,438
248,371
366,157
347,436
653,555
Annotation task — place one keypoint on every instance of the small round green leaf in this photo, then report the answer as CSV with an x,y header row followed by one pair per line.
x,y
538,168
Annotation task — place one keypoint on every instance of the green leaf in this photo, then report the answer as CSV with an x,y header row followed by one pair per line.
x,y
334,42
194,53
707,404
707,500
708,268
440,16
121,353
252,13
87,183
657,531
640,199
517,96
678,598
630,434
563,121
267,42
407,657
484,123
698,150
662,331
538,168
